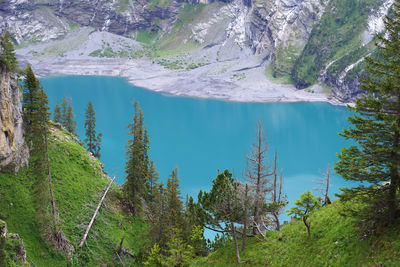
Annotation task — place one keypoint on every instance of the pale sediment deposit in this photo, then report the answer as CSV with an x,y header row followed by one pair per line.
x,y
240,79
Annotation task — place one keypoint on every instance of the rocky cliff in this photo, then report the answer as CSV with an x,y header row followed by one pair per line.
x,y
283,27
43,20
312,41
12,145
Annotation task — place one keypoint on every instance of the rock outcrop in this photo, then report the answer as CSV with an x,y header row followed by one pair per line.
x,y
40,21
15,246
12,145
346,86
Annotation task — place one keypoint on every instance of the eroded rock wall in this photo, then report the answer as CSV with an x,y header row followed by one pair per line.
x,y
43,20
12,144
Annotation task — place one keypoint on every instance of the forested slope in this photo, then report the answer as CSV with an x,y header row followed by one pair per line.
x,y
78,186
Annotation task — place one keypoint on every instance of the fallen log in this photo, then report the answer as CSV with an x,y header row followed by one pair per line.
x,y
94,215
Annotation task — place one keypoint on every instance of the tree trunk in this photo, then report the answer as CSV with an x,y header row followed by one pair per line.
x,y
236,243
244,236
120,245
393,201
94,215
327,186
277,222
58,235
308,225
53,203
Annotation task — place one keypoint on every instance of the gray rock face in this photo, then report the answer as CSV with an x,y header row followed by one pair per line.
x,y
346,87
283,22
29,20
12,144
40,21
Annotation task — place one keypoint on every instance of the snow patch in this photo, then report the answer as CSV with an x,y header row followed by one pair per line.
x,y
375,21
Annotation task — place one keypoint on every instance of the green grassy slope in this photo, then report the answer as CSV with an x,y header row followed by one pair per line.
x,y
334,242
78,186
336,36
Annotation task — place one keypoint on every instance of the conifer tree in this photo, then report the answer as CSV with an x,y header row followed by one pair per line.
x,y
158,215
67,116
92,140
70,123
31,90
153,181
376,130
57,113
7,54
63,108
174,202
306,205
179,252
219,209
137,165
36,118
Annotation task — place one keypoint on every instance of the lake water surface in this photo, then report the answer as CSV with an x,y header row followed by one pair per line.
x,y
201,136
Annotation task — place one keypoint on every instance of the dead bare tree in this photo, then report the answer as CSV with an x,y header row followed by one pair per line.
x,y
233,228
258,173
94,215
60,240
278,198
245,216
323,184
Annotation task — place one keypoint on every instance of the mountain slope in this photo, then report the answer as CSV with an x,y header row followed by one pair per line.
x,y
334,242
311,41
78,185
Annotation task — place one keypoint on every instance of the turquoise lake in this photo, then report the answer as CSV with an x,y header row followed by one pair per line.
x,y
201,136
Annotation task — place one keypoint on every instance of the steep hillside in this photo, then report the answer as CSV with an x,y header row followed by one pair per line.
x,y
338,43
78,183
334,242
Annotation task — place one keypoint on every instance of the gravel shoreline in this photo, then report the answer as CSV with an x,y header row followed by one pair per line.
x,y
236,79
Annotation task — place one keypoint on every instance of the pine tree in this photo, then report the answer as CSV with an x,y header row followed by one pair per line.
x,y
158,216
174,202
155,258
70,123
306,205
30,100
219,209
92,141
7,54
36,118
63,108
180,253
57,113
376,130
137,165
67,116
153,181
